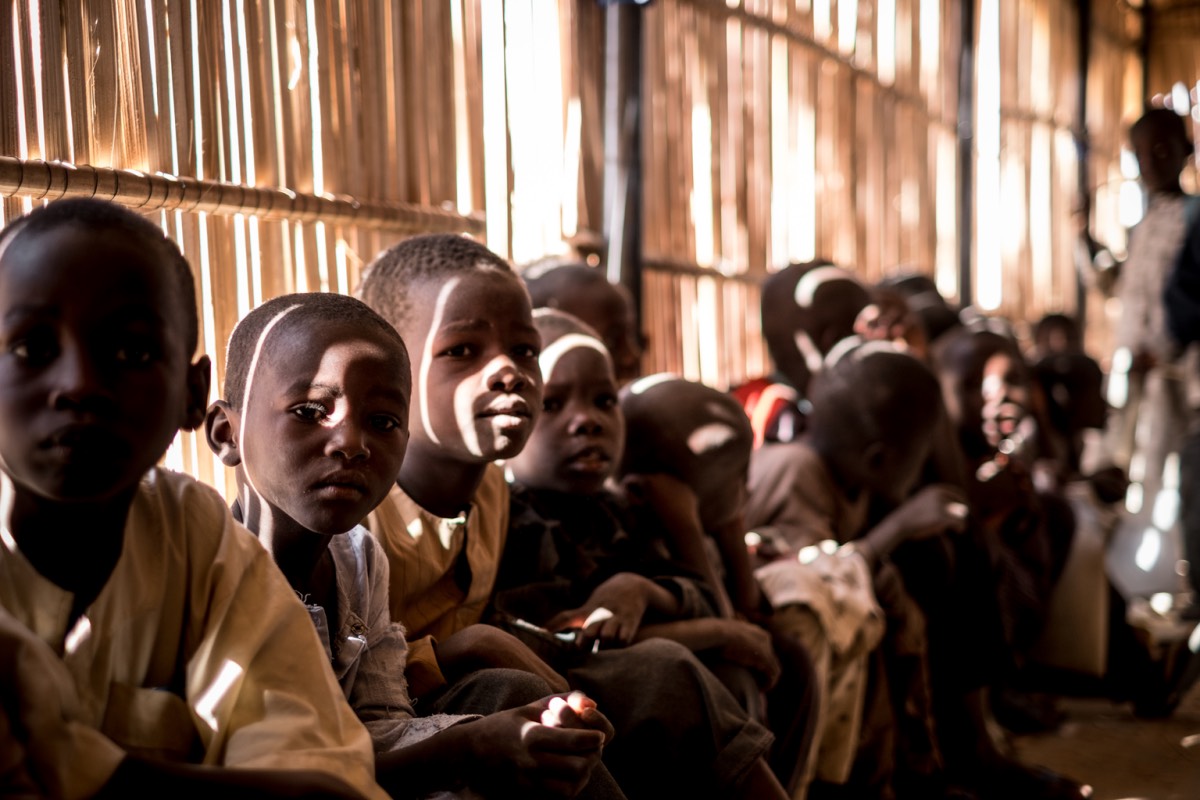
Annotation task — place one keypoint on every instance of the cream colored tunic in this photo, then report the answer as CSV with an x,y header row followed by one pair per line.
x,y
432,559
196,649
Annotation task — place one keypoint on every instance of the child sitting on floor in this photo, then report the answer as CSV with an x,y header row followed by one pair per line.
x,y
575,545
150,644
314,418
826,570
686,456
476,393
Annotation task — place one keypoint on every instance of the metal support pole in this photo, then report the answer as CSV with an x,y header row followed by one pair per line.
x,y
1082,144
623,148
966,151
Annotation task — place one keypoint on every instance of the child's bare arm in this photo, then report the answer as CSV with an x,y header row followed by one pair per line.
x,y
614,611
678,511
933,510
746,597
549,747
741,642
482,646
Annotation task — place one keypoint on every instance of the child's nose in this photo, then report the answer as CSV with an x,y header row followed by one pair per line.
x,y
349,441
505,376
584,423
78,382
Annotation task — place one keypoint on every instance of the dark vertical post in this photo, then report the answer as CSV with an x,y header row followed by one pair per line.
x,y
1144,51
966,148
1083,144
623,147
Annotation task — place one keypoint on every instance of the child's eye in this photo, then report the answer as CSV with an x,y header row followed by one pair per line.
x,y
459,351
525,351
551,404
310,412
385,422
606,401
133,354
34,349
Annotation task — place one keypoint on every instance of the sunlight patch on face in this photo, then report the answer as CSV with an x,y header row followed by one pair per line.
x,y
439,311
643,385
811,281
710,437
259,346
465,396
564,344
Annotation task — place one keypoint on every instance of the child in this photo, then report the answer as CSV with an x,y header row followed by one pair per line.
x,y
178,642
807,308
684,472
699,436
315,421
443,526
580,546
586,293
873,413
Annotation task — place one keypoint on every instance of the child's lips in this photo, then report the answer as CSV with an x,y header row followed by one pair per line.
x,y
342,484
590,459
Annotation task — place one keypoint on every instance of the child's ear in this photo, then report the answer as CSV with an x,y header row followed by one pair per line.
x,y
199,376
220,429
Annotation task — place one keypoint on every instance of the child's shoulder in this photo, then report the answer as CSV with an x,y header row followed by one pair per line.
x,y
189,517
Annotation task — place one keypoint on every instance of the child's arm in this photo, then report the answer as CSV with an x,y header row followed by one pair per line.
x,y
482,646
549,747
933,510
740,642
677,509
614,611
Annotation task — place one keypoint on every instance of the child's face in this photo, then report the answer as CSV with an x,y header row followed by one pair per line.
x,y
476,382
1161,156
323,427
95,378
577,440
1006,398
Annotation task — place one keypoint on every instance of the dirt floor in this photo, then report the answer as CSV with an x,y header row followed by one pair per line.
x,y
1120,756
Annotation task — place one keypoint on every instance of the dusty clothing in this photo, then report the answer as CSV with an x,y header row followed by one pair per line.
x,y
442,570
852,622
562,546
368,651
678,730
790,490
196,649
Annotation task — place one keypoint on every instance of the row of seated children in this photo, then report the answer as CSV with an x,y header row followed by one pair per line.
x,y
458,706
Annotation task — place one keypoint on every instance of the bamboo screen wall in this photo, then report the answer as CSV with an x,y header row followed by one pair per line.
x,y
784,130
1027,84
284,142
362,121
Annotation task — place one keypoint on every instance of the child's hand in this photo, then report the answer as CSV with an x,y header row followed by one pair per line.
x,y
546,748
612,615
935,509
577,710
750,646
